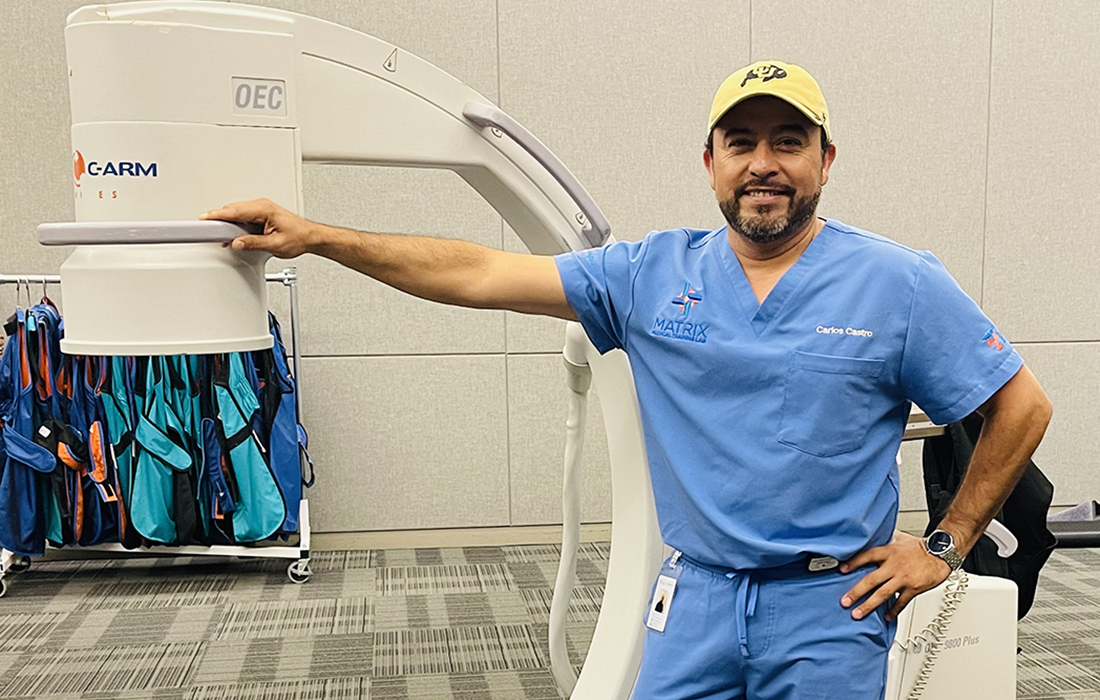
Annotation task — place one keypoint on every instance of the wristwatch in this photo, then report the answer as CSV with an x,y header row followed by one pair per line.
x,y
941,544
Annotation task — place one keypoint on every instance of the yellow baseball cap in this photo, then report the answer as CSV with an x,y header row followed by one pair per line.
x,y
786,81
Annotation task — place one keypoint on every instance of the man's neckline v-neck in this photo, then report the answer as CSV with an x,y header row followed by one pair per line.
x,y
760,314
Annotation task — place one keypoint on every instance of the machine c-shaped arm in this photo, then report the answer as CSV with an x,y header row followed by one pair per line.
x,y
179,107
348,97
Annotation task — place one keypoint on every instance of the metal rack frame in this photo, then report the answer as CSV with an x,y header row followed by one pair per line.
x,y
298,570
920,427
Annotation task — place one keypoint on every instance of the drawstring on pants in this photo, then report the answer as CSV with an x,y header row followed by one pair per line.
x,y
747,589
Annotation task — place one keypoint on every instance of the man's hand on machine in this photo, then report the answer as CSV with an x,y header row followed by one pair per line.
x,y
286,235
904,567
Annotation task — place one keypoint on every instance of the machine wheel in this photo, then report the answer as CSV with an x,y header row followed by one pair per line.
x,y
20,564
298,571
3,587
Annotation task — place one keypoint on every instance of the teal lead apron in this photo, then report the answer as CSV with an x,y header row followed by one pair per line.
x,y
260,508
158,505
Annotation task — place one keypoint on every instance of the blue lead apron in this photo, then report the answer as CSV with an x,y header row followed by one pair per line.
x,y
52,398
86,450
286,439
22,528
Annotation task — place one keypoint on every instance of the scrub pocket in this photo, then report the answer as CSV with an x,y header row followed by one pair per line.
x,y
826,402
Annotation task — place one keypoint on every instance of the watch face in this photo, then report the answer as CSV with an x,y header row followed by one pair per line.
x,y
939,542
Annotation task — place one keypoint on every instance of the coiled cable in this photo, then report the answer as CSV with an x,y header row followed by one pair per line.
x,y
930,639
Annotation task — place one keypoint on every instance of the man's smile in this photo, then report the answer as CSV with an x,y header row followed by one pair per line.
x,y
764,194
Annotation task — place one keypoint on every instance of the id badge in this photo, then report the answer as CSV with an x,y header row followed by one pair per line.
x,y
662,596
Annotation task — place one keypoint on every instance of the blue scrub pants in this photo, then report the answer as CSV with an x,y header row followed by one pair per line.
x,y
777,634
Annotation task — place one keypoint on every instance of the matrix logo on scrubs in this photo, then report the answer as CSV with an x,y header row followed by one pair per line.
x,y
679,327
993,339
687,299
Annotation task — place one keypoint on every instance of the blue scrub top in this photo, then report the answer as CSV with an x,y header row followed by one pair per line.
x,y
771,429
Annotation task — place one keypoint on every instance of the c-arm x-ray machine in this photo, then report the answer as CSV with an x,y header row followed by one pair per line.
x,y
179,107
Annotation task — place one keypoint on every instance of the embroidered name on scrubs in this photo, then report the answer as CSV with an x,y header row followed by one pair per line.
x,y
679,327
834,330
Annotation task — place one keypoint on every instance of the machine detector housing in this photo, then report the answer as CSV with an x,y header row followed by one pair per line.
x,y
181,107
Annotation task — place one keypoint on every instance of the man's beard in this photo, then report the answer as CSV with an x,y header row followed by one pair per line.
x,y
762,229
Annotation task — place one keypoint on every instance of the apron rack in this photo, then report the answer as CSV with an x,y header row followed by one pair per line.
x,y
298,570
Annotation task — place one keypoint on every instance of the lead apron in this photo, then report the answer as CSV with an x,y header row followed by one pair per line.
x,y
93,473
286,439
260,508
120,407
162,506
52,403
21,523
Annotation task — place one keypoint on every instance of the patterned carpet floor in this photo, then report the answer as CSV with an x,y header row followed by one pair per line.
x,y
430,624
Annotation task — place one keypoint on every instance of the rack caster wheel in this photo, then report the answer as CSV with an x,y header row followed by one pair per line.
x,y
20,564
298,571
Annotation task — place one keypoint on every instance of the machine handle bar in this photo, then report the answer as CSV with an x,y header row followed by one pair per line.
x,y
594,224
119,232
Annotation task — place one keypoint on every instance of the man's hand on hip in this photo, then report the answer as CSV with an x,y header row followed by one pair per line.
x,y
904,567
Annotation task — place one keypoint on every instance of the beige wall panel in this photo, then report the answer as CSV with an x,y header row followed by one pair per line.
x,y
907,87
621,94
36,182
1042,274
538,405
345,313
407,442
912,476
1068,455
534,334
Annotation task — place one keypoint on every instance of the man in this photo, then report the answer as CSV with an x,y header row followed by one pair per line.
x,y
775,359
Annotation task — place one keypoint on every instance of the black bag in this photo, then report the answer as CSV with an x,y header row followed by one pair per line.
x,y
946,458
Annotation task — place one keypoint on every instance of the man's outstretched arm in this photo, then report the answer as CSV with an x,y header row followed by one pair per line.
x,y
1016,418
447,271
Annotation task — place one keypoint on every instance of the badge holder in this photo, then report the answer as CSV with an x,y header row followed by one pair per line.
x,y
662,595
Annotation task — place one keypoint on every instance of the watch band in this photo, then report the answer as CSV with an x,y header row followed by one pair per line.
x,y
952,558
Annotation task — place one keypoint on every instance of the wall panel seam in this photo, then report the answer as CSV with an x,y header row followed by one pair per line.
x,y
988,130
1036,343
500,80
406,355
508,432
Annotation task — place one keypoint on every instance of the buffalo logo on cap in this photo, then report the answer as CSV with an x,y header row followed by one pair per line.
x,y
764,73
